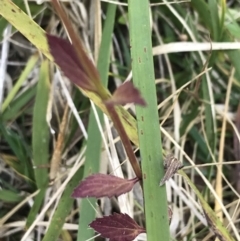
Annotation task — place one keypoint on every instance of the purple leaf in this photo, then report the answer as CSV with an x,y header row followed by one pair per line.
x,y
125,94
101,185
66,58
117,227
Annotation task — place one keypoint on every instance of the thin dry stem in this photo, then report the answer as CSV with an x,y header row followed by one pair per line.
x,y
219,189
56,157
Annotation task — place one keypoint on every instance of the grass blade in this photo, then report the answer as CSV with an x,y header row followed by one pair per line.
x,y
40,135
22,164
19,105
40,139
64,207
36,207
9,196
29,66
203,9
213,7
233,54
213,23
92,163
156,210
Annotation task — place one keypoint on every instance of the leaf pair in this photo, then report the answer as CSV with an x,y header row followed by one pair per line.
x,y
117,227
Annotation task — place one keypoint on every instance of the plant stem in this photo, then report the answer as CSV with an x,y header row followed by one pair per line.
x,y
125,140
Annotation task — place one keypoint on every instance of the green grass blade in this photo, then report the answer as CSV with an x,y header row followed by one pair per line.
x,y
36,207
199,140
155,199
40,139
222,16
92,163
10,196
63,209
232,30
18,105
40,134
3,25
213,7
29,66
22,151
104,51
233,54
209,121
203,9
213,23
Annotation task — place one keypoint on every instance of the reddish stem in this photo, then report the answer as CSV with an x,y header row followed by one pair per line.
x,y
125,140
